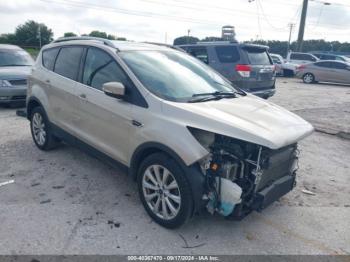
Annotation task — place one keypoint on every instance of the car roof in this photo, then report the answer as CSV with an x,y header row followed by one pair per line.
x,y
9,47
118,45
217,43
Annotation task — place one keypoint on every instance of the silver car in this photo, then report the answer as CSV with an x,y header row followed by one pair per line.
x,y
325,71
15,64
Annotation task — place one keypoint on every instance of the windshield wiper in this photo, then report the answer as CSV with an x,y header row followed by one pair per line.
x,y
217,95
14,65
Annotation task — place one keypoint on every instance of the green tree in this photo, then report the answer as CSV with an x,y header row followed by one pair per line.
x,y
28,34
183,40
7,39
211,39
97,33
69,34
111,37
121,38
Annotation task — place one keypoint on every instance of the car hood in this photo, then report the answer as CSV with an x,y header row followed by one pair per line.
x,y
246,118
14,72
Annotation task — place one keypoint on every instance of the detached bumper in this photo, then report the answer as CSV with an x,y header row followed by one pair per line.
x,y
273,192
266,93
13,94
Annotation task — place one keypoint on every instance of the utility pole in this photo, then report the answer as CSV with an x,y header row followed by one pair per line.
x,y
291,25
188,36
39,36
302,26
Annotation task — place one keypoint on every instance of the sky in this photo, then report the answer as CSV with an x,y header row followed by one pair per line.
x,y
162,21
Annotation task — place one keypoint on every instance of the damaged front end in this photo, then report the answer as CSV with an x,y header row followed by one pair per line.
x,y
242,176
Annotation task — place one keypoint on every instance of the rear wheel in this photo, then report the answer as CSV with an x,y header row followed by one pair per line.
x,y
41,131
308,78
164,191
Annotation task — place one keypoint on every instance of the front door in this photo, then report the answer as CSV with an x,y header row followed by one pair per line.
x,y
105,121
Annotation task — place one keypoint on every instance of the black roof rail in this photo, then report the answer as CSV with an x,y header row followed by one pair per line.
x,y
166,45
103,40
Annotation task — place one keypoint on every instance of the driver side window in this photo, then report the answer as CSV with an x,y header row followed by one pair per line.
x,y
101,68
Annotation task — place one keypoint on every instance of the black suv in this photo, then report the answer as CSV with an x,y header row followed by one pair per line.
x,y
247,66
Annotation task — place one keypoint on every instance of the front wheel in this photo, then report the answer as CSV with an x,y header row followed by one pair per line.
x,y
308,78
165,191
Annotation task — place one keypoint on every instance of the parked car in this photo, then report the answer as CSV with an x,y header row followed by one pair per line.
x,y
186,135
301,58
326,56
247,66
283,68
15,66
325,71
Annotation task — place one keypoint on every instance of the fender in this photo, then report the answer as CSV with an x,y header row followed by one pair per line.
x,y
30,101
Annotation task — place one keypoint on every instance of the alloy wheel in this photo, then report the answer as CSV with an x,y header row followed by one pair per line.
x,y
38,127
161,192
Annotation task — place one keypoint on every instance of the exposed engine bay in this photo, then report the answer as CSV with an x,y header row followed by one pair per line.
x,y
241,176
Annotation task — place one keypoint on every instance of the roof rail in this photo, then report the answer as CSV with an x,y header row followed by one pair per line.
x,y
103,40
166,45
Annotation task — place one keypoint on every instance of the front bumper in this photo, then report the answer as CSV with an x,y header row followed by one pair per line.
x,y
273,192
266,93
13,94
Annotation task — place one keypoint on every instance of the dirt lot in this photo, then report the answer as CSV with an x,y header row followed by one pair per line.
x,y
65,202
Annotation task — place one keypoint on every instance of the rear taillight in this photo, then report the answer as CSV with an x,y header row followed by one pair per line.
x,y
243,70
300,67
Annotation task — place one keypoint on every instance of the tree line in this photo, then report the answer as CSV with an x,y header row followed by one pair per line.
x,y
34,34
276,46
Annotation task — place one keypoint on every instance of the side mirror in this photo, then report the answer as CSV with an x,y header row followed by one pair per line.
x,y
114,89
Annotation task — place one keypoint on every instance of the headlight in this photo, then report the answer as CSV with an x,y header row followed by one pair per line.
x,y
5,83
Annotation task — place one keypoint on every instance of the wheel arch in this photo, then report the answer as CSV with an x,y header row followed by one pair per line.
x,y
31,104
192,172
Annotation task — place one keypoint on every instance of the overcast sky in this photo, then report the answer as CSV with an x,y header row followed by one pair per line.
x,y
160,20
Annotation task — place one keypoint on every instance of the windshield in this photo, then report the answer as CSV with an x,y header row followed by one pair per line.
x,y
174,75
15,58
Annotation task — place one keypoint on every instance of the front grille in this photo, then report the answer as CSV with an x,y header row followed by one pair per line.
x,y
278,163
18,82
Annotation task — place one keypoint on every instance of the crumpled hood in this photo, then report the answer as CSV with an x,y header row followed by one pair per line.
x,y
14,72
246,118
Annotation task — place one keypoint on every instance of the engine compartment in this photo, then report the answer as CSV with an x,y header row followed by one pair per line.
x,y
241,176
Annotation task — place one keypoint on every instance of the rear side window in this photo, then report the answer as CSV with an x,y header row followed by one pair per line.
x,y
323,64
227,54
101,68
49,57
305,57
338,65
68,61
258,57
200,53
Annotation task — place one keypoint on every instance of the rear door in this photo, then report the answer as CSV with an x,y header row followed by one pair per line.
x,y
262,73
62,95
341,72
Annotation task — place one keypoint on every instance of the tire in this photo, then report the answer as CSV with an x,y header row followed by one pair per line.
x,y
41,130
288,73
175,197
308,78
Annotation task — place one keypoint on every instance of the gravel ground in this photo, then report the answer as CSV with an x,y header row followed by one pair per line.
x,y
66,202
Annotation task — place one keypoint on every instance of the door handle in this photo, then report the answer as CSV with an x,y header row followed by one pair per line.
x,y
83,96
47,81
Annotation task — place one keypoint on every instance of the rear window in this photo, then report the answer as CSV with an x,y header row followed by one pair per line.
x,y
67,62
258,57
49,57
227,54
200,53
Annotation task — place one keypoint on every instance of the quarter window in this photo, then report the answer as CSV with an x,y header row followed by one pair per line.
x,y
200,53
101,68
227,54
68,61
49,57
